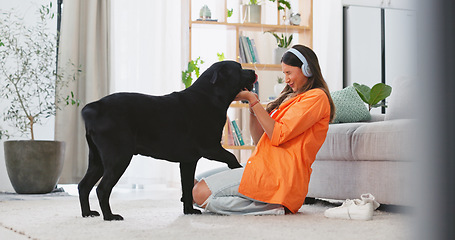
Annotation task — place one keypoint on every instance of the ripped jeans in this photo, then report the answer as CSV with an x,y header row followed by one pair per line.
x,y
226,199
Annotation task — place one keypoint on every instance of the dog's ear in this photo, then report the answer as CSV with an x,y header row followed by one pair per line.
x,y
217,73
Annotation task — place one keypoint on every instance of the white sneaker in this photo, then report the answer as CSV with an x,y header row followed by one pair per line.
x,y
368,197
354,209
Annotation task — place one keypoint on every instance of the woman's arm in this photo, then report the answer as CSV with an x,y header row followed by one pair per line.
x,y
266,122
255,128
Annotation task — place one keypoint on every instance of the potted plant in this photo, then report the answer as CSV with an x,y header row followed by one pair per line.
x,y
283,43
279,86
252,10
28,85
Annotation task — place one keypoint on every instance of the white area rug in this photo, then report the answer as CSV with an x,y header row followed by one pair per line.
x,y
57,216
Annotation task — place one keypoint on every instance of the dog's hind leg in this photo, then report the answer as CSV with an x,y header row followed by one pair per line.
x,y
187,170
94,173
112,174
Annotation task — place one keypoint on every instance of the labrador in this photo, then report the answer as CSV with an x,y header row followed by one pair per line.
x,y
179,127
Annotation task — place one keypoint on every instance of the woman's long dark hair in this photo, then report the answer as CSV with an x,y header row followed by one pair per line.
x,y
315,81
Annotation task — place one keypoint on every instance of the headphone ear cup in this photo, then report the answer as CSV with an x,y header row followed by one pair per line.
x,y
306,70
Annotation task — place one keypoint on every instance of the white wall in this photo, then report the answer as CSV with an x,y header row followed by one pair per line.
x,y
328,40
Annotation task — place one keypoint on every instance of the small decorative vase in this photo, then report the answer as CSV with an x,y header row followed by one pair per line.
x,y
251,13
278,54
34,167
278,88
205,13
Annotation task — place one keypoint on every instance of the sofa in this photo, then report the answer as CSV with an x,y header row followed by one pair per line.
x,y
367,154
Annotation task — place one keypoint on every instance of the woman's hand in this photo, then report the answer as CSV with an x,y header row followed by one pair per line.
x,y
246,95
262,117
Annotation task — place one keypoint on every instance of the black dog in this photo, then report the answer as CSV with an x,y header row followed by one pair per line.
x,y
179,127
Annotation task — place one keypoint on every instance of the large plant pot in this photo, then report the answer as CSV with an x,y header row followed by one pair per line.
x,y
278,54
34,166
251,13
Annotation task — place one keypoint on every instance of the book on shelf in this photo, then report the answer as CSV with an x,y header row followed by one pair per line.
x,y
242,53
238,134
230,134
233,135
248,50
255,51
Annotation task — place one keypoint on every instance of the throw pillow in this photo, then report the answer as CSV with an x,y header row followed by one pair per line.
x,y
349,106
400,104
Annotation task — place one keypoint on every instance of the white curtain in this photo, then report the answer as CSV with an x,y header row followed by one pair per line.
x,y
84,42
146,57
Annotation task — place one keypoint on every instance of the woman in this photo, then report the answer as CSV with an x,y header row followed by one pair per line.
x,y
288,133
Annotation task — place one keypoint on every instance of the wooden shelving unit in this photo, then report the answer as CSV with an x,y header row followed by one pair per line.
x,y
304,31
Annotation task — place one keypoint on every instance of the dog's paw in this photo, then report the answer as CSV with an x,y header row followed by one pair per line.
x,y
113,217
91,214
234,165
192,211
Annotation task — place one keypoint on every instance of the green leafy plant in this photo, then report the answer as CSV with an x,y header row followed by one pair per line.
x,y
230,12
280,80
282,4
29,80
220,56
375,95
283,41
193,66
3,133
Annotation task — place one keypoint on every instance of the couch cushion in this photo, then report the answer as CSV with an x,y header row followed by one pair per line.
x,y
349,107
337,145
384,140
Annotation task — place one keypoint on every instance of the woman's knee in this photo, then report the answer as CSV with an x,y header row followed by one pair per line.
x,y
201,193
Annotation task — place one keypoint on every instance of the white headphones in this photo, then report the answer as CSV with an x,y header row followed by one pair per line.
x,y
305,67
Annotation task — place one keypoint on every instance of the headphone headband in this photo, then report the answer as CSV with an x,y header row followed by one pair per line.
x,y
305,67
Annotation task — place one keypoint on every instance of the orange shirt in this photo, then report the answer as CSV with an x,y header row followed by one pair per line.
x,y
279,169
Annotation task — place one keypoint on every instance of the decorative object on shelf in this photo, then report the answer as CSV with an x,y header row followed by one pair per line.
x,y
205,14
193,66
251,12
279,86
295,19
32,88
375,95
283,42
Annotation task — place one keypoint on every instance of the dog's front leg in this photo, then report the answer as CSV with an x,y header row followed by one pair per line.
x,y
187,170
222,155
